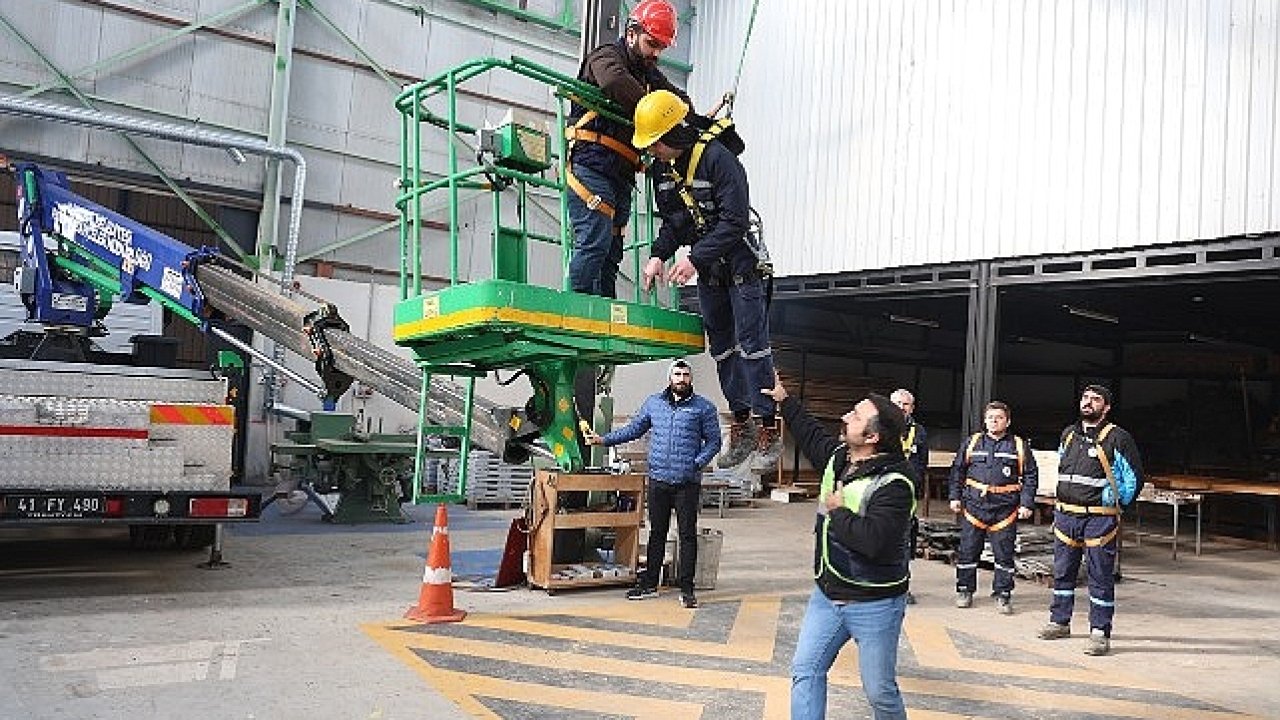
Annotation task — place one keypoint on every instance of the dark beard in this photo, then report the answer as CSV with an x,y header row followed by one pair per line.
x,y
682,392
637,59
1090,416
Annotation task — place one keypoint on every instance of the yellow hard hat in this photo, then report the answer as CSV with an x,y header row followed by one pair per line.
x,y
656,114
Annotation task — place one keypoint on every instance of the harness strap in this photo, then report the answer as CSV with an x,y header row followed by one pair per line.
x,y
1088,509
593,201
699,147
997,489
994,527
579,133
1089,542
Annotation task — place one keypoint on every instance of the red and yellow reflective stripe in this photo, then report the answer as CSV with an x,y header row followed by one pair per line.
x,y
165,414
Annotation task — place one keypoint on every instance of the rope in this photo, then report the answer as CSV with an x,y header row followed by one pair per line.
x,y
742,58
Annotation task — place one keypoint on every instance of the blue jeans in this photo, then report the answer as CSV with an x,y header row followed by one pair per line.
x,y
875,627
736,319
597,239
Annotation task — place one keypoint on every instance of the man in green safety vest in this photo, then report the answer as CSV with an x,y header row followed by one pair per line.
x,y
865,505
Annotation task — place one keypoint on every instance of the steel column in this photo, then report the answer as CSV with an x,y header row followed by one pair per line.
x,y
277,122
980,343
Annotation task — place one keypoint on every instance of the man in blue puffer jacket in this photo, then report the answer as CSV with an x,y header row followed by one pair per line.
x,y
686,438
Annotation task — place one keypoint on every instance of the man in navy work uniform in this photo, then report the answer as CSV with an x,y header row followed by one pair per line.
x,y
686,438
993,482
1099,472
915,445
704,201
865,505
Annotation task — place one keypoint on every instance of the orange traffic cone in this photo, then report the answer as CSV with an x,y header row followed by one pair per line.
x,y
435,599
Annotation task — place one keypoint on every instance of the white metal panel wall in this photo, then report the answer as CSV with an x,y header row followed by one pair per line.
x,y
884,133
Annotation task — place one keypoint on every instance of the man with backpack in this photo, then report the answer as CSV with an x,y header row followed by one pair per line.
x,y
993,482
702,196
1099,473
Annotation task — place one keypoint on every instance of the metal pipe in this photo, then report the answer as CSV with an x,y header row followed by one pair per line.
x,y
291,412
195,136
266,359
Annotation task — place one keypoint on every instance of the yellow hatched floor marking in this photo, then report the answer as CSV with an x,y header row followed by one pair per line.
x,y
626,638
934,648
750,639
777,690
657,614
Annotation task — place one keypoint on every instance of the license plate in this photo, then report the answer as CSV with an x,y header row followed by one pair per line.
x,y
55,506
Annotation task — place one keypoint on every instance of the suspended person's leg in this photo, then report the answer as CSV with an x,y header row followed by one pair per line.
x,y
751,332
717,319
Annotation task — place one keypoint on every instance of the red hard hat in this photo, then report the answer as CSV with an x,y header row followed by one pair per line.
x,y
657,18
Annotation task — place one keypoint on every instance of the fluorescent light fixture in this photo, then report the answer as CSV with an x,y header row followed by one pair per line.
x,y
918,322
1092,314
237,157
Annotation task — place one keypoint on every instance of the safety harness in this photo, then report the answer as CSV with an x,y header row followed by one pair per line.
x,y
685,184
997,489
579,133
1093,509
984,488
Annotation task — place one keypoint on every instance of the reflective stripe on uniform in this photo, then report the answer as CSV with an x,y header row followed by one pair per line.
x,y
994,527
1087,509
1087,542
998,489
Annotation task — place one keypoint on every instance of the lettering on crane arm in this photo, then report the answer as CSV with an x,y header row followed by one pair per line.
x,y
70,220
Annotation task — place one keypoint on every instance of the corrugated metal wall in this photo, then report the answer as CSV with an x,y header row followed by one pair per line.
x,y
885,133
340,110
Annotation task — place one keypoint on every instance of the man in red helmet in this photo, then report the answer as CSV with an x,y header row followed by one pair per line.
x,y
602,161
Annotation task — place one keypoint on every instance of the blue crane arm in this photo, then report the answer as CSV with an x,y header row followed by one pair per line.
x,y
75,254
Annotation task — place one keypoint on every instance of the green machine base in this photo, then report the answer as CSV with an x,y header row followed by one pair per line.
x,y
550,334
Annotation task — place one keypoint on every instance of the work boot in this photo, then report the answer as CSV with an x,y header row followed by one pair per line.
x,y
1004,604
640,592
743,437
964,599
689,600
768,448
1054,631
1099,643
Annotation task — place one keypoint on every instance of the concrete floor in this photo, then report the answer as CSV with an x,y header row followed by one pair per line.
x,y
306,624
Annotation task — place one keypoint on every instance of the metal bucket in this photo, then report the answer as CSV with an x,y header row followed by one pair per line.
x,y
707,567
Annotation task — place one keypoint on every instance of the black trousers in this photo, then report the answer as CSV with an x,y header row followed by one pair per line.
x,y
684,498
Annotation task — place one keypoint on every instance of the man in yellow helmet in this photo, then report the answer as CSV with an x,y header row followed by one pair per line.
x,y
702,196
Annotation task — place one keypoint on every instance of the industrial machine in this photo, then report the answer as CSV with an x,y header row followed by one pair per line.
x,y
477,325
152,447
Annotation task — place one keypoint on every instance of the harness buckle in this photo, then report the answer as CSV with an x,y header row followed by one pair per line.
x,y
594,202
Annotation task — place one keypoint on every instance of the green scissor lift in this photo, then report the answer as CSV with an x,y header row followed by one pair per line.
x,y
474,326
